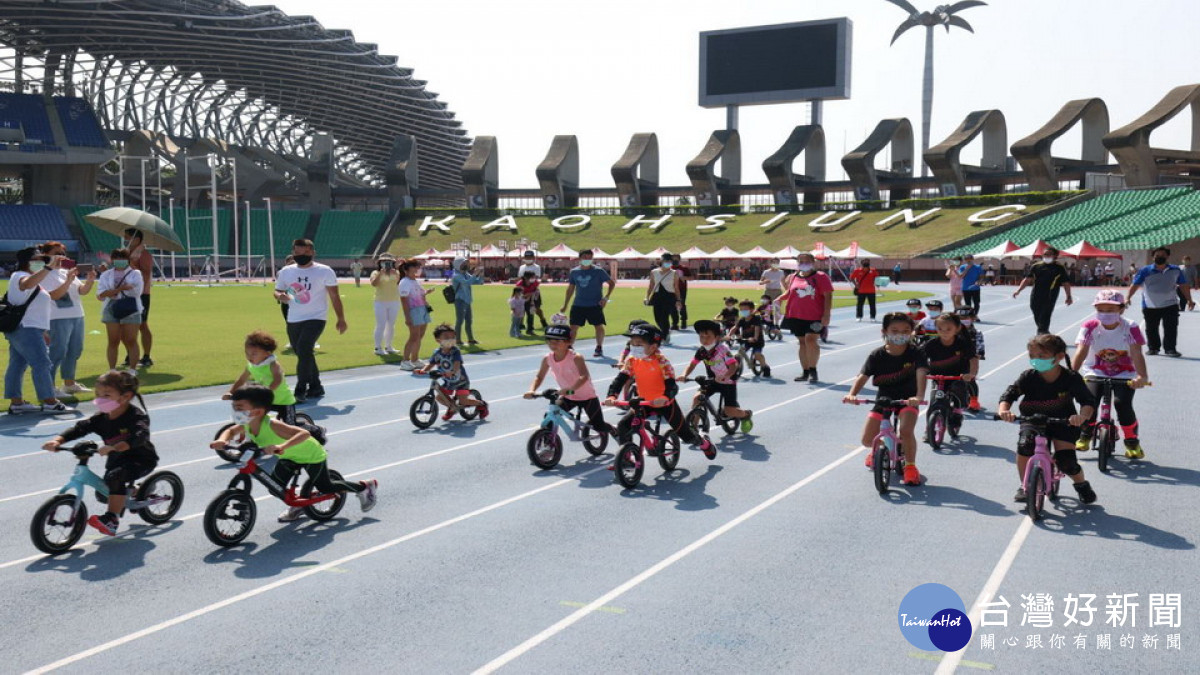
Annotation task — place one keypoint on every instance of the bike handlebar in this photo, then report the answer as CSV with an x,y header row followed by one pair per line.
x,y
84,449
943,378
885,402
1036,420
549,394
1112,380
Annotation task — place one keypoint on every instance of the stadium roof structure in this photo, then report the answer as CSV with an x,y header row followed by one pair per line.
x,y
250,76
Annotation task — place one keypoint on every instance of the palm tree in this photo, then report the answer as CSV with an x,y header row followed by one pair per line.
x,y
943,15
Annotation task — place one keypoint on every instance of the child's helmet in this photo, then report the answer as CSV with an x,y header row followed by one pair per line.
x,y
1109,296
966,312
913,302
934,304
559,319
646,332
558,332
637,322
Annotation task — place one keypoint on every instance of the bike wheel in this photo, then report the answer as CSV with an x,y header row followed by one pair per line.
x,y
594,441
882,466
230,517
629,466
423,411
57,525
231,456
728,424
1054,490
1035,493
328,508
305,418
1104,447
544,448
755,366
697,420
936,429
471,412
668,451
162,493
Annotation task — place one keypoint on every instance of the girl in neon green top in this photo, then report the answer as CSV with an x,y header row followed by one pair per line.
x,y
262,368
295,446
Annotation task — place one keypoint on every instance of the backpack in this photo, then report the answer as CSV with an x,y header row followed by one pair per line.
x,y
449,294
11,315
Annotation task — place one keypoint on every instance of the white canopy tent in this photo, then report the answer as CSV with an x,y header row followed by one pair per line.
x,y
695,253
490,251
724,253
787,252
629,253
560,252
757,253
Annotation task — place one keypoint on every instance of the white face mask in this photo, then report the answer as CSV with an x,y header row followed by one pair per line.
x,y
446,344
897,339
804,267
637,352
240,417
1108,318
1047,259
708,345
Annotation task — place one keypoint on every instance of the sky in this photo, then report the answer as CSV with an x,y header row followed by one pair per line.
x,y
526,70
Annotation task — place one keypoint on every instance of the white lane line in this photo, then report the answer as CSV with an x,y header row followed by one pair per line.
x,y
951,660
607,598
208,609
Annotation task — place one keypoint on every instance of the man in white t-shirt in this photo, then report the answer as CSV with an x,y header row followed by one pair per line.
x,y
772,278
308,288
534,305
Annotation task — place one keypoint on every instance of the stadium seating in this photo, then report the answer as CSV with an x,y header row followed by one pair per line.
x,y
80,123
26,225
1124,220
347,234
288,225
95,238
29,111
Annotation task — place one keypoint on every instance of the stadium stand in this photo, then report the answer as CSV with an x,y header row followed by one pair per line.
x,y
288,226
1125,220
95,238
26,225
80,123
199,229
29,111
347,234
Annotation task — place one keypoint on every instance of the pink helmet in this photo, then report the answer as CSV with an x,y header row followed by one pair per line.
x,y
1109,296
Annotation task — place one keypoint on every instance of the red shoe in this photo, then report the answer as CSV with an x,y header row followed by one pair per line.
x,y
973,405
483,411
911,475
449,415
709,450
106,524
870,461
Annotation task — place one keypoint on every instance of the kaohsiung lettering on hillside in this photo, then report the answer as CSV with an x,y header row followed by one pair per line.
x,y
822,220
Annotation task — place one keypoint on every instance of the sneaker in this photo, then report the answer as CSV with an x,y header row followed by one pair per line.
x,y
379,351
473,343
599,353
287,347
146,361
21,408
869,462
75,388
106,523
911,475
317,346
859,319
132,371
61,392
56,407
392,351
483,411
766,372
407,365
1086,494
812,375
707,447
1083,444
1020,496
747,424
291,515
974,406
1172,352
803,377
1152,352
316,392
366,498
418,363
1134,451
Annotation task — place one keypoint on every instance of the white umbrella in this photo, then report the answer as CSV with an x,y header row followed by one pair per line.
x,y
757,253
629,253
694,253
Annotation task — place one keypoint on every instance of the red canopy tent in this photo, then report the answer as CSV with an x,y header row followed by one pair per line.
x,y
1086,250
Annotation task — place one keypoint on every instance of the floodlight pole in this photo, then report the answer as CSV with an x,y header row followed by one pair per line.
x,y
171,215
212,198
249,261
270,236
237,270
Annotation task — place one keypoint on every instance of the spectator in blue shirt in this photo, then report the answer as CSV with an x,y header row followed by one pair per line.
x,y
584,283
971,274
461,282
1160,303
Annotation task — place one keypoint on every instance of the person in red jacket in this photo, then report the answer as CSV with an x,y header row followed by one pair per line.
x,y
863,280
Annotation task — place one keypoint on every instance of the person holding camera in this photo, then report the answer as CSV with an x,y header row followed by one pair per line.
x,y
27,339
66,314
386,281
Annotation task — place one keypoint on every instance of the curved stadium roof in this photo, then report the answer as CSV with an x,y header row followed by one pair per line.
x,y
246,75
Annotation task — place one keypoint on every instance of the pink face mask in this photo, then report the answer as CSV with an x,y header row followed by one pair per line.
x,y
106,405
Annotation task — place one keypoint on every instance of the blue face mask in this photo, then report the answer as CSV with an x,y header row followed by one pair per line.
x,y
1042,365
586,262
744,312
667,264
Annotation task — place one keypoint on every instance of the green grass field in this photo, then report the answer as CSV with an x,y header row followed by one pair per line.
x,y
198,331
741,234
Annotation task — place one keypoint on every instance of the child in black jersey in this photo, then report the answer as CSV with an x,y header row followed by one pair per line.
x,y
951,353
125,431
899,371
729,314
1051,389
750,329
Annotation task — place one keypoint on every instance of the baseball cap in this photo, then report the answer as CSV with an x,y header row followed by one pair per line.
x,y
558,332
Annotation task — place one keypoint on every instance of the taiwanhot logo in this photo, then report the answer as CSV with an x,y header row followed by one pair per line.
x,y
932,617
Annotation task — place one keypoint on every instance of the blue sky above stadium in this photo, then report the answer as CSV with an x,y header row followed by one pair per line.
x,y
526,70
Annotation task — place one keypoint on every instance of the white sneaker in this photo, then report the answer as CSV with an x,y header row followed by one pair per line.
x,y
407,365
317,346
291,515
55,407
366,498
75,388
379,351
392,351
419,363
21,408
61,392
131,371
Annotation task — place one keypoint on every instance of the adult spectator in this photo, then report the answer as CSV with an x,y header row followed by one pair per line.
x,y
1189,275
662,294
584,282
896,270
1110,273
956,292
66,315
1162,282
356,269
971,273
533,304
772,281
386,282
1003,274
863,280
1047,276
27,343
309,288
807,303
141,260
1085,274
679,320
120,289
990,275
462,281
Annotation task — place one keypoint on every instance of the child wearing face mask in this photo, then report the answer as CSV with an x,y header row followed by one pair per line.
x,y
967,316
575,388
1110,346
262,368
728,314
914,312
722,368
898,369
927,327
749,330
768,309
447,362
951,353
516,306
1049,388
125,430
295,446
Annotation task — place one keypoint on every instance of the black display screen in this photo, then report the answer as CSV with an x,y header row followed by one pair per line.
x,y
776,60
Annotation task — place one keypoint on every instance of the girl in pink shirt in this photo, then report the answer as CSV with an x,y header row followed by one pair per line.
x,y
575,388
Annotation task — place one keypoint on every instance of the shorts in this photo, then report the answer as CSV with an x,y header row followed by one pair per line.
x,y
802,327
121,473
459,388
591,315
878,412
728,392
773,293
420,315
107,317
1055,432
755,347
145,308
535,300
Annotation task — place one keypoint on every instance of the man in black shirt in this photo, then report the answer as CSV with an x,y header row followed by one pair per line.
x,y
1048,276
